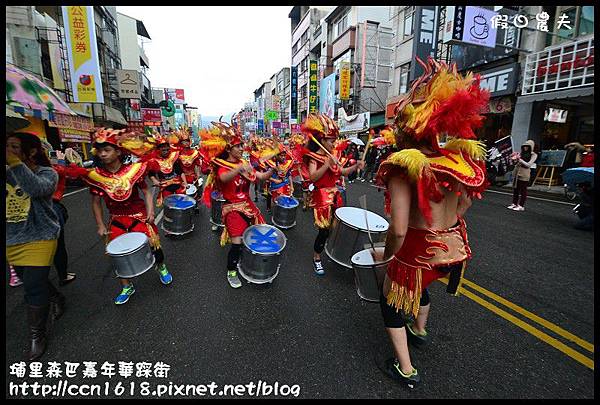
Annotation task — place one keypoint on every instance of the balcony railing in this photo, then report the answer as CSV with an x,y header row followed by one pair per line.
x,y
561,67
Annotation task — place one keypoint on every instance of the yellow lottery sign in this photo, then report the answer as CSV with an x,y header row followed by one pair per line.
x,y
344,80
80,36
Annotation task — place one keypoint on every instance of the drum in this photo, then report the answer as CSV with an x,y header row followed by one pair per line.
x,y
178,218
130,254
348,233
191,191
261,253
216,206
284,212
369,274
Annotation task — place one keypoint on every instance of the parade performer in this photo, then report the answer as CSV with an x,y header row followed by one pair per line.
x,y
300,171
191,161
119,184
275,156
71,171
325,166
165,170
428,190
232,176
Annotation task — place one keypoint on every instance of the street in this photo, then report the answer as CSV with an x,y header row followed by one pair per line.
x,y
524,327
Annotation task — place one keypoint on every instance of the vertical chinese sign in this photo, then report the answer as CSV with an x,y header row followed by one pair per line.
x,y
344,80
294,93
80,32
312,87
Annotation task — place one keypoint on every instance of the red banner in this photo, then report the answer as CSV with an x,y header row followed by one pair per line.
x,y
151,114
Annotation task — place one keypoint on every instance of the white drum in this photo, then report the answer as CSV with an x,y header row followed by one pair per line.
x,y
369,273
131,254
349,235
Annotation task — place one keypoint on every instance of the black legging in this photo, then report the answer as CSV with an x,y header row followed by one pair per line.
x,y
233,256
321,239
61,258
36,284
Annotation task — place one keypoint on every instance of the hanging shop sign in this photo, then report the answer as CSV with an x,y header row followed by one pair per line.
x,y
82,52
294,93
128,83
312,86
344,90
151,117
425,38
470,25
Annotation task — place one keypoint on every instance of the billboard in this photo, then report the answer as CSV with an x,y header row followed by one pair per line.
x,y
355,123
425,39
82,52
312,86
344,80
176,95
294,93
327,96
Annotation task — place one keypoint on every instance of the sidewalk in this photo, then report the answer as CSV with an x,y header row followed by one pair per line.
x,y
553,192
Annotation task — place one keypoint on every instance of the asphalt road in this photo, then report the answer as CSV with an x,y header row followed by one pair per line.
x,y
315,332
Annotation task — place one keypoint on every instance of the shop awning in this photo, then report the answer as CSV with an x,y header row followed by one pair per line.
x,y
556,95
110,115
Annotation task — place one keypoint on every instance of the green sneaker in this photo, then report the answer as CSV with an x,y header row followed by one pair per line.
x,y
126,292
165,276
418,340
393,370
233,279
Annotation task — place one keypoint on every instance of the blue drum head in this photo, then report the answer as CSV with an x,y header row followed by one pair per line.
x,y
286,202
264,239
179,201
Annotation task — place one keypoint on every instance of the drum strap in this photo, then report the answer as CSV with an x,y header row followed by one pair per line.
x,y
125,228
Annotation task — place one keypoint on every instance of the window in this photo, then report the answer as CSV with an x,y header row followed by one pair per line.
x,y
304,65
304,38
340,26
404,69
586,20
409,23
303,91
565,32
295,48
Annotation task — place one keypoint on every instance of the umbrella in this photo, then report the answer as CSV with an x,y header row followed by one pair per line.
x,y
15,121
24,90
379,141
357,141
578,175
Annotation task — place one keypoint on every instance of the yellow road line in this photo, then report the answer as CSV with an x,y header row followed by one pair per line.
x,y
589,363
548,325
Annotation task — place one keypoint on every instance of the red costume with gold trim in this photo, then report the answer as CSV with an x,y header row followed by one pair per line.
x,y
238,209
168,170
190,159
72,171
326,196
441,101
120,191
282,171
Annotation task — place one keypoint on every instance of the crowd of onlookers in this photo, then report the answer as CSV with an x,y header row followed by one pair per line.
x,y
375,155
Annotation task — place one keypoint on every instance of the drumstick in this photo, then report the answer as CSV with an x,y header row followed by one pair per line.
x,y
325,150
363,203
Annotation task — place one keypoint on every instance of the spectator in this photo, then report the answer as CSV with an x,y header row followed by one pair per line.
x,y
32,230
522,175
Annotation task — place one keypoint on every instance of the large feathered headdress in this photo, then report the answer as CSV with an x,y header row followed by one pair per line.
x,y
442,101
217,139
320,126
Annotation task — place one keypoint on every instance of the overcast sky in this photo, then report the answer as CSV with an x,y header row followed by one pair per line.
x,y
218,55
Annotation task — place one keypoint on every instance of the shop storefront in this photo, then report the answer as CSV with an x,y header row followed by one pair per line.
x,y
71,131
556,105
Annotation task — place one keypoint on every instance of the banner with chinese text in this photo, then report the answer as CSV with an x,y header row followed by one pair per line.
x,y
344,80
82,51
294,93
312,86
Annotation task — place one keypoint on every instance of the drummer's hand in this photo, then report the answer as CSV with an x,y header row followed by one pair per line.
x,y
244,168
155,183
150,218
102,231
377,255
